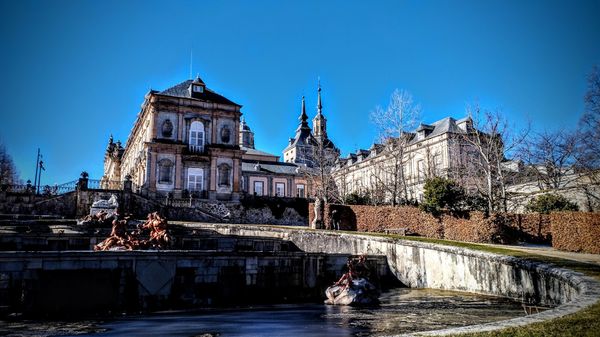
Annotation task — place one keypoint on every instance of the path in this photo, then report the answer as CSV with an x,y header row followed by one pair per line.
x,y
549,251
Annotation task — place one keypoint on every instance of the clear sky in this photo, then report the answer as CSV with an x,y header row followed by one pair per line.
x,y
73,72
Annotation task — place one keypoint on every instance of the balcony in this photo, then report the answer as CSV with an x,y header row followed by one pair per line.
x,y
194,153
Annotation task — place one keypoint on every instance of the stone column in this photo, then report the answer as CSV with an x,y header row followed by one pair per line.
x,y
181,128
178,175
152,126
236,175
213,179
236,132
213,129
270,187
152,172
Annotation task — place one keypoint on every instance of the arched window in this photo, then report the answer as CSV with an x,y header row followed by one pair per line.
x,y
224,173
196,141
165,170
225,134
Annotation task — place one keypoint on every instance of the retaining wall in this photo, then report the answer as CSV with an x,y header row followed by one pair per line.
x,y
426,265
84,282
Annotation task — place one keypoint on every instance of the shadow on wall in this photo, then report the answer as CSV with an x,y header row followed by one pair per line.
x,y
343,214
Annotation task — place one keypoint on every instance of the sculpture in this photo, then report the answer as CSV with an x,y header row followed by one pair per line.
x,y
110,206
120,239
354,287
318,220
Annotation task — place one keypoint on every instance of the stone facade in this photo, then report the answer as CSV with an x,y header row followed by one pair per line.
x,y
189,140
439,149
185,138
582,189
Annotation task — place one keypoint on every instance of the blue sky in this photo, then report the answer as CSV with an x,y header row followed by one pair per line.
x,y
73,72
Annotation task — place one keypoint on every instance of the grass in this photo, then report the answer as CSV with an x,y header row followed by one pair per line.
x,y
585,322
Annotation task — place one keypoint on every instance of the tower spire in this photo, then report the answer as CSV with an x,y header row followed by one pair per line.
x,y
319,105
303,117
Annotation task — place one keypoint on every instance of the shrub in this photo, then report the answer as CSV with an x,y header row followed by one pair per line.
x,y
357,199
442,193
547,203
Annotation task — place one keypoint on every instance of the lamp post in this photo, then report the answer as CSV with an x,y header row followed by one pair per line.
x,y
37,166
39,180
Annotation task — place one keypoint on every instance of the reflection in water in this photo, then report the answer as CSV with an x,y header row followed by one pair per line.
x,y
401,311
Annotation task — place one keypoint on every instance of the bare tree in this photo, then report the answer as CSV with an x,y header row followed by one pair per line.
x,y
588,148
8,171
319,174
551,156
490,139
393,124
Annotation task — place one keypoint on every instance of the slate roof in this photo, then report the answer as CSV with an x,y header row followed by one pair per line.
x,y
446,125
257,152
182,90
270,167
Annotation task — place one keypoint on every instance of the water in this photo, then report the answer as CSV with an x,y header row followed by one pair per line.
x,y
401,311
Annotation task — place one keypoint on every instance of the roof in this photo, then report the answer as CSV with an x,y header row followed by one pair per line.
x,y
446,125
270,167
182,90
255,152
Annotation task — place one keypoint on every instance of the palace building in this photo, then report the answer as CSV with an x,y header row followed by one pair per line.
x,y
189,140
437,149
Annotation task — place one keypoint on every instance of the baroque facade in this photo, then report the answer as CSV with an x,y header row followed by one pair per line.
x,y
189,140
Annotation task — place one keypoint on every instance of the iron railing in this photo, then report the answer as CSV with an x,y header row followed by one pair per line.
x,y
95,184
55,189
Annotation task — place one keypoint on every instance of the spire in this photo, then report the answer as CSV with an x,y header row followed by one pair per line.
x,y
303,117
319,122
319,105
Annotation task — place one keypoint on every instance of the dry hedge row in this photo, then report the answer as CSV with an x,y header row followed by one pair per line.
x,y
572,231
576,231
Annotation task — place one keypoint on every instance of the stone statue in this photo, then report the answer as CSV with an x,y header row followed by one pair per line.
x,y
354,287
156,227
109,206
317,222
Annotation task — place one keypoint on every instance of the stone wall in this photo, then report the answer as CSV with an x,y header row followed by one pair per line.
x,y
76,204
425,265
64,205
576,231
37,283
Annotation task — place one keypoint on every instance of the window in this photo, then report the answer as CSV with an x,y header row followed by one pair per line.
x,y
165,168
167,128
224,172
437,162
421,170
196,143
225,134
195,179
258,188
280,189
300,191
197,88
